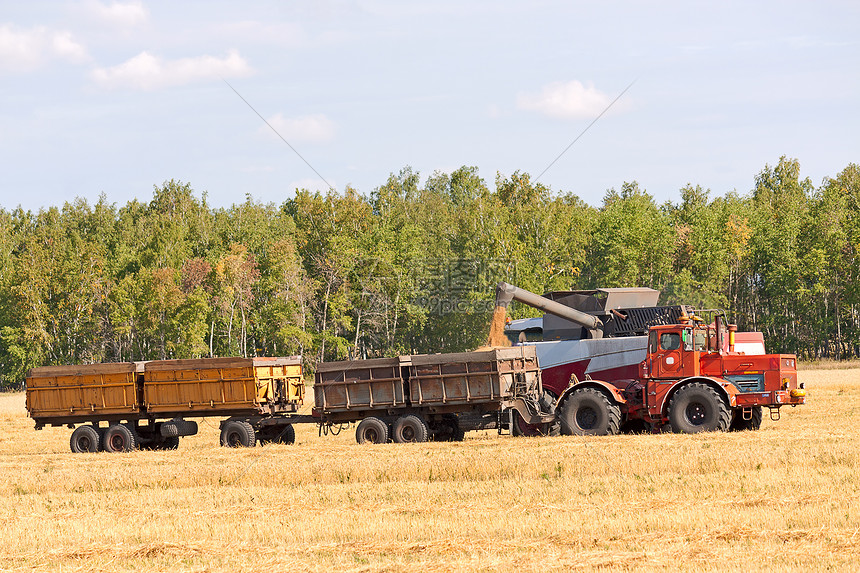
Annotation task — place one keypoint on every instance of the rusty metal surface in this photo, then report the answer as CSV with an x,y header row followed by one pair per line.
x,y
359,385
221,384
430,380
495,375
92,389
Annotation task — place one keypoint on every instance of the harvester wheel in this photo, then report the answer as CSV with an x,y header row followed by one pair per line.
x,y
85,439
588,412
410,428
739,424
698,408
371,430
120,438
238,433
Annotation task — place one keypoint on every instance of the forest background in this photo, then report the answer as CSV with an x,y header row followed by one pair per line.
x,y
412,268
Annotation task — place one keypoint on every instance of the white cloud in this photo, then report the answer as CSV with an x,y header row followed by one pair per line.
x,y
314,128
125,14
28,49
148,72
565,100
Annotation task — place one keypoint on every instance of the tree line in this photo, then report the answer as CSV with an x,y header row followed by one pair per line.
x,y
411,268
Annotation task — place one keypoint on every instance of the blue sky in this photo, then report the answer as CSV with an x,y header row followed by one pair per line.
x,y
116,97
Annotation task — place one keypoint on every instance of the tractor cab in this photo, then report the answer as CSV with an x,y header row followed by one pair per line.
x,y
679,350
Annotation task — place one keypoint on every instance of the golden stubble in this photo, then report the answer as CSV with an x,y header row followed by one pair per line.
x,y
784,498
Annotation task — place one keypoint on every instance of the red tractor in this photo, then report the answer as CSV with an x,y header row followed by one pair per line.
x,y
692,380
654,367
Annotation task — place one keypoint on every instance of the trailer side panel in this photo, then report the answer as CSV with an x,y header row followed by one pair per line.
x,y
57,393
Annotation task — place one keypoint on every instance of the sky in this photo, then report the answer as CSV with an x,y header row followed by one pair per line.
x,y
113,98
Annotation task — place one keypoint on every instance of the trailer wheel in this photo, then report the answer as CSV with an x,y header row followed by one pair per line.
x,y
698,408
170,443
739,424
85,439
371,430
284,435
120,438
588,412
410,428
238,433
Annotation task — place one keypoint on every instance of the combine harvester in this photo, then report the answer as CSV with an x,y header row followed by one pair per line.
x,y
613,360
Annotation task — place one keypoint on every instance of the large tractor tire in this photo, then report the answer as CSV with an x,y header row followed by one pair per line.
x,y
589,412
739,424
410,428
371,431
697,408
85,439
238,434
120,438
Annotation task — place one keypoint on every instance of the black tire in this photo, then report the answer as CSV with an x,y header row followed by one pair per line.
x,y
739,424
698,408
85,439
171,443
371,431
169,430
120,438
458,434
410,428
589,412
282,435
238,434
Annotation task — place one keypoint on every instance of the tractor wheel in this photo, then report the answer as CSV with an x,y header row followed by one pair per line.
x,y
120,438
85,439
410,428
698,408
371,430
588,412
739,424
238,433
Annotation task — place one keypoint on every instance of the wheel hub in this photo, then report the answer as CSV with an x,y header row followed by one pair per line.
x,y
696,414
586,418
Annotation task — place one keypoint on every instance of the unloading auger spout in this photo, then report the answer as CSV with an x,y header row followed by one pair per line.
x,y
505,293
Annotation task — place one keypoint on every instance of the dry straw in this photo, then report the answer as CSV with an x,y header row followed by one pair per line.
x,y
784,498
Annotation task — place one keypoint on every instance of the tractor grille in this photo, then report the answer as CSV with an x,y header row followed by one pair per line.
x,y
747,382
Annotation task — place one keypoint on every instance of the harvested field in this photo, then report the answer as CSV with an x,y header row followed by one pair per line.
x,y
785,498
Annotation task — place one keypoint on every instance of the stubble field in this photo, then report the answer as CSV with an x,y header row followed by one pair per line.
x,y
784,498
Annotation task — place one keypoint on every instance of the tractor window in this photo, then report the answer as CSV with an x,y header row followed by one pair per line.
x,y
700,341
652,341
670,341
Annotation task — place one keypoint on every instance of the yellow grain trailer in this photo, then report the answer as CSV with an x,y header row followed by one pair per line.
x,y
121,406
